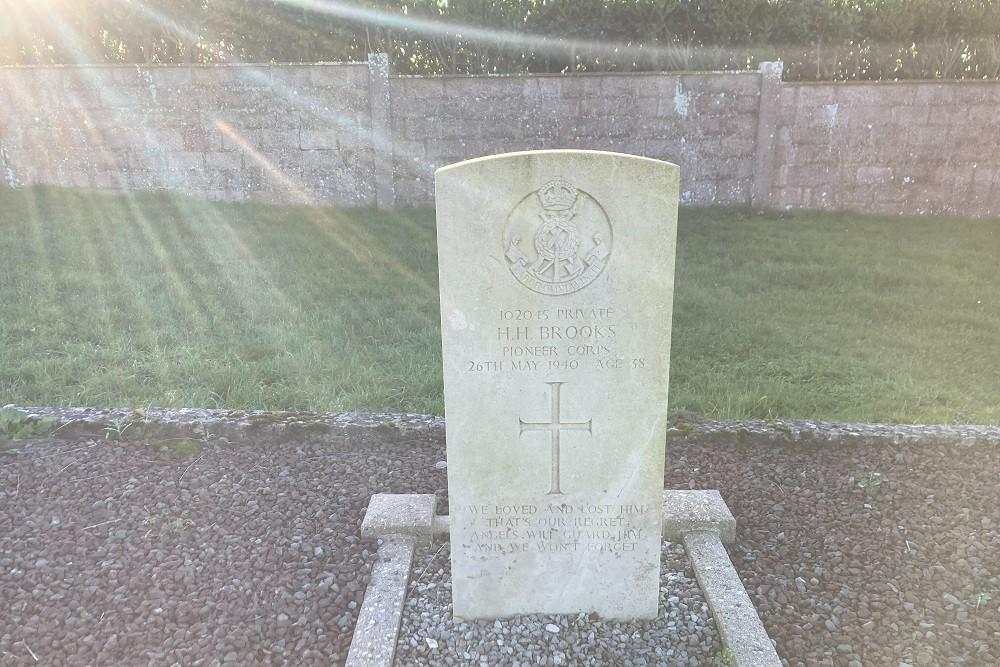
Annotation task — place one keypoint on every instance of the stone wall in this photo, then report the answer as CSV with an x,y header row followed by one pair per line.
x,y
281,133
916,148
707,123
351,134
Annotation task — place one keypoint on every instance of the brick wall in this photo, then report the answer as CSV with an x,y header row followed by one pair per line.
x,y
889,147
349,134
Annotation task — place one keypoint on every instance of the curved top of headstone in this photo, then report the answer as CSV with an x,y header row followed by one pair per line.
x,y
547,152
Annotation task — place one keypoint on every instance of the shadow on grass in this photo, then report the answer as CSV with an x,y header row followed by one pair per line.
x,y
132,300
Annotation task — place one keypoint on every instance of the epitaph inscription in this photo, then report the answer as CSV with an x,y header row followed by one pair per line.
x,y
556,272
504,529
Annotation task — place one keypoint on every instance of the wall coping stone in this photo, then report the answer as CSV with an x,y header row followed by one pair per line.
x,y
570,75
73,66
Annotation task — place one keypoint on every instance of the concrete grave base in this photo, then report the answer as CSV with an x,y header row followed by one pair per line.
x,y
698,519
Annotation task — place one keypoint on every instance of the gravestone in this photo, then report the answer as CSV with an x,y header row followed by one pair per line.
x,y
556,283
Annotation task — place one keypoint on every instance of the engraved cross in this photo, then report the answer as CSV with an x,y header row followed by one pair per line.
x,y
555,426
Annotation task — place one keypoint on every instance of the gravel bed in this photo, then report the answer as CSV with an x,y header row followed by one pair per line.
x,y
683,634
246,548
191,552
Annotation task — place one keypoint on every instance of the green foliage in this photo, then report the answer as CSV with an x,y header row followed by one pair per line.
x,y
117,429
177,528
817,39
980,599
179,447
870,483
19,425
725,658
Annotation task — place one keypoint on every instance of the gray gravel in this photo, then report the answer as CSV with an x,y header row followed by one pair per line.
x,y
854,541
190,552
683,633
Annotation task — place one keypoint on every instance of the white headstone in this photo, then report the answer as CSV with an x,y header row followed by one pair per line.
x,y
556,281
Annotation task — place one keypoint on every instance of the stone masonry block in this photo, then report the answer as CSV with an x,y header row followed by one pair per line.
x,y
736,84
744,124
197,139
169,76
748,103
935,94
337,75
811,96
543,87
232,76
948,115
412,88
260,140
400,514
870,95
482,88
224,160
581,86
786,108
874,174
985,175
324,102
320,139
250,99
78,98
687,511
138,99
559,108
292,76
130,76
737,146
984,115
620,84
910,114
927,138
76,78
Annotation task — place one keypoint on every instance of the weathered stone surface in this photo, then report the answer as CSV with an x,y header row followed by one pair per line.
x,y
149,128
410,514
735,616
740,138
679,118
556,287
689,510
374,641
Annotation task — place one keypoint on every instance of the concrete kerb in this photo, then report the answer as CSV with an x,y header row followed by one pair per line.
x,y
741,629
700,520
686,511
377,629
409,514
401,522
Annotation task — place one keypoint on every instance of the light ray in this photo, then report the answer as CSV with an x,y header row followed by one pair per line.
x,y
542,43
296,188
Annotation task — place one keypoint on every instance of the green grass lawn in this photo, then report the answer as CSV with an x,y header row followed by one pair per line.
x,y
170,301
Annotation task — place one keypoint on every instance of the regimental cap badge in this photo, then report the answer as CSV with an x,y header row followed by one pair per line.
x,y
557,195
558,239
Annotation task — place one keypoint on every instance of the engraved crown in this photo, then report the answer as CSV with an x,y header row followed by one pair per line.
x,y
557,195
